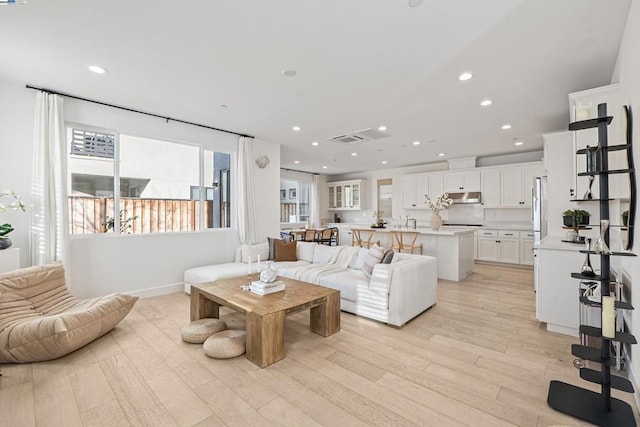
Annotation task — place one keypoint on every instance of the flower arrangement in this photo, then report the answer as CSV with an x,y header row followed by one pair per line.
x,y
442,202
15,204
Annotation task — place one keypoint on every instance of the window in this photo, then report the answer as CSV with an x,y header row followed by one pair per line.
x,y
294,200
159,185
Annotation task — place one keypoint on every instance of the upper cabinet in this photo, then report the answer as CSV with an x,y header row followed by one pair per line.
x,y
462,182
490,180
516,184
346,195
414,187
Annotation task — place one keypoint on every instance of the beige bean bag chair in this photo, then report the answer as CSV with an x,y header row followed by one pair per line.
x,y
40,319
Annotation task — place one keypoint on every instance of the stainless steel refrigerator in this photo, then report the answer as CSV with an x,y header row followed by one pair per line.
x,y
539,217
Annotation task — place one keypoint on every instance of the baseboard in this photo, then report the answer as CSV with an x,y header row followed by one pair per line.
x,y
562,330
632,377
160,290
504,264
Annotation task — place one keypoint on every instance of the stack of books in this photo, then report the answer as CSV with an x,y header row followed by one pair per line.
x,y
262,288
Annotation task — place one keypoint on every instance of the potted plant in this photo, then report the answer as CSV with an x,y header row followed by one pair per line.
x,y
15,204
575,218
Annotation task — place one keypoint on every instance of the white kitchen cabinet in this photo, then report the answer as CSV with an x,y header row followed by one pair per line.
x,y
526,251
436,186
490,179
414,187
516,183
346,195
462,181
499,246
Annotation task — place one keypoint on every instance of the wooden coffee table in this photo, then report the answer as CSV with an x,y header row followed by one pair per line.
x,y
265,314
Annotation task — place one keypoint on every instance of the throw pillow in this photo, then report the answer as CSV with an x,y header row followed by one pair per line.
x,y
374,255
387,257
272,247
286,251
305,250
253,251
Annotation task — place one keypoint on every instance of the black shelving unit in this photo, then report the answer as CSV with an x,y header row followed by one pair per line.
x,y
598,408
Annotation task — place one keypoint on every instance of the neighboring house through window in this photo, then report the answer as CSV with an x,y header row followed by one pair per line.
x,y
160,184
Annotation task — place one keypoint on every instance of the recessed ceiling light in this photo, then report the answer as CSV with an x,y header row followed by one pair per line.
x,y
506,126
315,143
289,72
382,128
97,69
354,154
384,162
296,128
441,154
296,162
518,143
415,3
465,76
324,167
416,142
486,102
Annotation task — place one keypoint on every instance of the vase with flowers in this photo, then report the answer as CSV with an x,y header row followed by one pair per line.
x,y
442,202
14,203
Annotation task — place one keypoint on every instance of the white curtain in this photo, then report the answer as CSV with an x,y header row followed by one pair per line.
x,y
49,222
246,202
315,201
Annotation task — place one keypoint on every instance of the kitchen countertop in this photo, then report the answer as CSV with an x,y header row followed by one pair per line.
x,y
555,242
448,231
487,226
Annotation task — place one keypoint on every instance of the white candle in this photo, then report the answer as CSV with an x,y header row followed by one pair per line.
x,y
608,317
258,263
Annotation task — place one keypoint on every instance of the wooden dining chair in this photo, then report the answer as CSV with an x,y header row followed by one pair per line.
x,y
405,241
310,235
362,238
324,236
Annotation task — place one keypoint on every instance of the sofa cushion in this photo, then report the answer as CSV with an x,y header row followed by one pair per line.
x,y
323,253
374,255
358,260
286,251
252,252
351,283
282,265
305,250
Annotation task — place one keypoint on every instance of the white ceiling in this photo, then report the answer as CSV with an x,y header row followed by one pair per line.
x,y
359,63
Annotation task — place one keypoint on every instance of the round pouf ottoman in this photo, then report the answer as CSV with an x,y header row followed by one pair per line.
x,y
198,331
225,344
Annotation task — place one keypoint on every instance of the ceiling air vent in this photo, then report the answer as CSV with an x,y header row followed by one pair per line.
x,y
358,136
347,139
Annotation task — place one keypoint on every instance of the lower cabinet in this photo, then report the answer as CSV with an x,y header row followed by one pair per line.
x,y
500,246
526,252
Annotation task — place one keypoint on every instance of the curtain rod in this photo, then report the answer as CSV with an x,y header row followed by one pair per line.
x,y
296,170
135,111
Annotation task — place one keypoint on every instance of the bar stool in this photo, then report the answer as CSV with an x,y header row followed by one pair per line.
x,y
361,237
405,241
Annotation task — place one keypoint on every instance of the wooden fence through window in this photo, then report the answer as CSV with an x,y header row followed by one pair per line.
x,y
93,214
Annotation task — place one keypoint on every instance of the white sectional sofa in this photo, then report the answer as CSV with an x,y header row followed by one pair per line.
x,y
396,292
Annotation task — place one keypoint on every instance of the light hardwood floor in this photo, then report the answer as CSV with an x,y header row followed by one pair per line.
x,y
477,358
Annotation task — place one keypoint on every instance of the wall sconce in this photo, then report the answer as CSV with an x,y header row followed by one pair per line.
x,y
262,161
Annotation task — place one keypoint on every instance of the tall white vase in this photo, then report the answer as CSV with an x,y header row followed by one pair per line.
x,y
435,222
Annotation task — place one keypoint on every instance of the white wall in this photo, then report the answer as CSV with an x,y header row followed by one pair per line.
x,y
628,72
135,264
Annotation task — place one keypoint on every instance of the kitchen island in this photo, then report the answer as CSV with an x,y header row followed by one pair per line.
x,y
453,247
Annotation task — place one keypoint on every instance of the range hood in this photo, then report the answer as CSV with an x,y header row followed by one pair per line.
x,y
466,198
